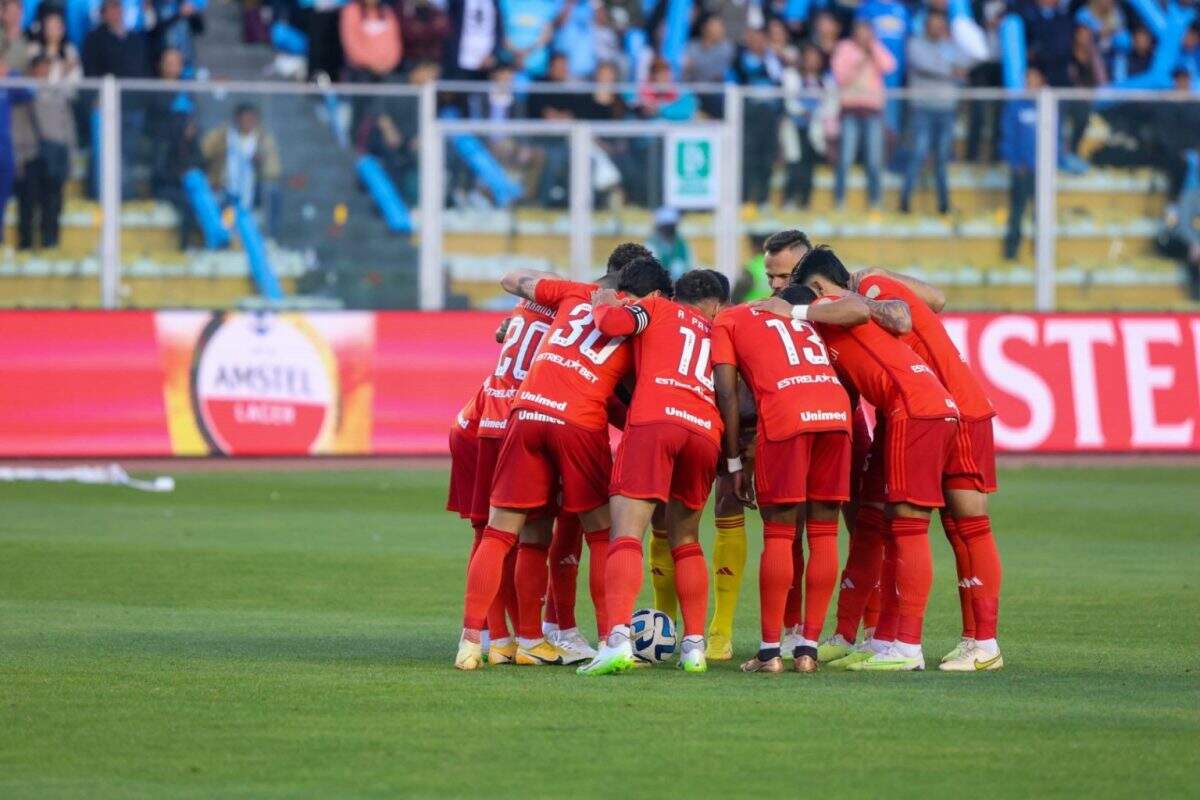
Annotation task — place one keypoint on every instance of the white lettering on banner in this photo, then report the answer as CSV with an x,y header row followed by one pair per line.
x,y
1081,336
1017,380
534,397
1142,378
956,329
672,411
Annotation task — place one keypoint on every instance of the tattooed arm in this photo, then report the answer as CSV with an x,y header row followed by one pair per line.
x,y
521,282
893,316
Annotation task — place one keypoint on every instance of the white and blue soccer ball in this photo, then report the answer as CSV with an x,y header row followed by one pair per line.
x,y
652,635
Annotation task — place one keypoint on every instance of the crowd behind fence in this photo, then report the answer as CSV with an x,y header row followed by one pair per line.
x,y
197,193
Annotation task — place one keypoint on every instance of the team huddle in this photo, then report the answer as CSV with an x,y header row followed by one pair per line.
x,y
769,402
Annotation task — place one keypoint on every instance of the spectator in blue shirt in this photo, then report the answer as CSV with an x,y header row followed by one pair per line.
x,y
1018,146
529,27
576,36
1049,34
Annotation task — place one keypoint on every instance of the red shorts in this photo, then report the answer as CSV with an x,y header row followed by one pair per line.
x,y
464,446
485,471
541,450
808,466
907,461
661,461
973,461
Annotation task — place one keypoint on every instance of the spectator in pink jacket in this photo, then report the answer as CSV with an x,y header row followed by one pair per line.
x,y
859,65
370,35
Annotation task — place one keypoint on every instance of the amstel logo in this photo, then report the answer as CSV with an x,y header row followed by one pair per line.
x,y
264,384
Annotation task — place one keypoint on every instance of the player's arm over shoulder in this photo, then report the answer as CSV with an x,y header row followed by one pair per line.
x,y
846,311
930,295
525,283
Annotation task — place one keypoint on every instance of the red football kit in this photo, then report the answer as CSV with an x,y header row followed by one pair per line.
x,y
464,450
559,424
804,416
973,463
673,431
528,325
917,417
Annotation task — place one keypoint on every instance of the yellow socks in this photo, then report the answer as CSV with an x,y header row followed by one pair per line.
x,y
729,562
662,574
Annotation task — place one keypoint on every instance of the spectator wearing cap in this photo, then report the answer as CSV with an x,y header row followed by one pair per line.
x,y
668,244
424,27
859,67
936,67
371,40
475,39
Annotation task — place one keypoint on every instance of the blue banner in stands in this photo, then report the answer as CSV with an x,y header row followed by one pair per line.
x,y
207,209
1012,49
504,190
256,254
287,39
383,192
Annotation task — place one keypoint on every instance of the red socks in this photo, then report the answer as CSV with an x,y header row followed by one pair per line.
x,y
889,604
775,581
565,549
598,547
531,576
820,576
976,534
862,573
484,575
914,574
793,609
506,600
962,567
691,585
475,542
623,579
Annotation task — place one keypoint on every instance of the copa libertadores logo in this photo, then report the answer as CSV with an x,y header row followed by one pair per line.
x,y
264,384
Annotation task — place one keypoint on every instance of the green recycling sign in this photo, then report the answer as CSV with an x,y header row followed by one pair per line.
x,y
692,174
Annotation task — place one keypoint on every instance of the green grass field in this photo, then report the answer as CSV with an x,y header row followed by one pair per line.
x,y
265,634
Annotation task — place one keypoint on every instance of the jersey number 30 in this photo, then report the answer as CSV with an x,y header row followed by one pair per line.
x,y
580,321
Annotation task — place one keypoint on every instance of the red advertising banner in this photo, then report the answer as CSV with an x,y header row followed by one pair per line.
x,y
144,383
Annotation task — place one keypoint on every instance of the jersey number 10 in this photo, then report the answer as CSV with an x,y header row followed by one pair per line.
x,y
703,369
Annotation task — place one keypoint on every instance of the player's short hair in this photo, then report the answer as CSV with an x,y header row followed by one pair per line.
x,y
724,279
702,284
644,275
798,294
624,253
824,262
786,240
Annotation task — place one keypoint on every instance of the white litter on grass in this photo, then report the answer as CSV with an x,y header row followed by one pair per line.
x,y
111,475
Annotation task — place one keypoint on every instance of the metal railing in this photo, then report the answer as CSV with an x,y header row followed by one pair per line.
x,y
728,225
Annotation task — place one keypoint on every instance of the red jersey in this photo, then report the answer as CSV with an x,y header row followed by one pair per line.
x,y
671,348
577,367
928,338
529,323
886,371
468,418
787,367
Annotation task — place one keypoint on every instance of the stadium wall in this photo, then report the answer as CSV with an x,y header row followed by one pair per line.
x,y
193,383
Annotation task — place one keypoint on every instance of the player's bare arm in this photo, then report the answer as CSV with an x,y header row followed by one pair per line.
x,y
847,311
502,330
521,282
932,296
725,379
894,316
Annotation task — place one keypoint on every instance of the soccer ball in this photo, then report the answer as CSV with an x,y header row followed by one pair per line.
x,y
653,635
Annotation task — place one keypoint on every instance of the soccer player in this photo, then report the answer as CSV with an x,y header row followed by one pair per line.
x,y
802,456
781,252
558,431
970,476
670,449
917,424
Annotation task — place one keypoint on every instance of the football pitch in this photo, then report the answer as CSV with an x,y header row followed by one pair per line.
x,y
275,634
